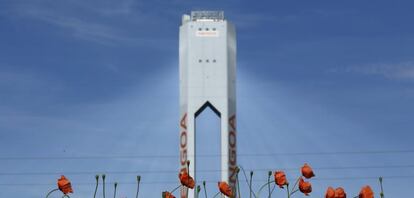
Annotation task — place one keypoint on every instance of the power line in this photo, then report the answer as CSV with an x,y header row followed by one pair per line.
x,y
176,182
95,157
206,171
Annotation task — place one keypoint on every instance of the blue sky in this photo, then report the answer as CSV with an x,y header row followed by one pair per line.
x,y
329,81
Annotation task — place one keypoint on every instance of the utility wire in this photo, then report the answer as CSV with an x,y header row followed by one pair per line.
x,y
214,182
205,171
93,157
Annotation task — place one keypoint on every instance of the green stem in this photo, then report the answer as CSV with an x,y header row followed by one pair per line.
x,y
262,187
65,196
115,185
287,189
274,186
205,190
293,192
175,189
198,191
216,194
238,185
250,184
268,182
382,190
138,182
96,187
188,178
103,185
296,183
50,192
245,176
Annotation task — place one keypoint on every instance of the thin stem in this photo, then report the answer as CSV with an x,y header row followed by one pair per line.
x,y
268,181
188,178
176,188
50,192
287,189
103,185
96,187
296,183
262,187
138,182
245,176
115,185
65,196
238,184
216,194
250,184
205,190
198,191
274,186
293,192
382,190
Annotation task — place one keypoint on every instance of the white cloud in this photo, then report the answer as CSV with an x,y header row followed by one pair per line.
x,y
104,23
395,71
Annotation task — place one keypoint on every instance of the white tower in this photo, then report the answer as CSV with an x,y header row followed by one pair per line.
x,y
207,79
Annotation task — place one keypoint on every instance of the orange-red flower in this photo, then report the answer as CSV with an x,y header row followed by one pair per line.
x,y
64,185
280,178
186,180
307,171
166,194
305,187
330,193
225,189
366,192
340,193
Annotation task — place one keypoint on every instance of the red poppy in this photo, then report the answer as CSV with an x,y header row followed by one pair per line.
x,y
340,193
305,187
366,192
186,180
280,178
307,171
64,185
330,193
166,194
225,189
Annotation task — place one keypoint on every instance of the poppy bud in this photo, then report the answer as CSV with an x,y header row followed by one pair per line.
x,y
340,193
186,180
64,185
280,178
305,187
103,176
138,178
330,193
366,192
97,177
225,189
307,171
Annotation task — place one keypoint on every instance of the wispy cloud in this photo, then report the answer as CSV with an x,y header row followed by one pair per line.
x,y
395,71
107,24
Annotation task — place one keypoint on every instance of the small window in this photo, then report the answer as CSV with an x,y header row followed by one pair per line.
x,y
206,29
199,29
199,60
214,29
214,60
207,60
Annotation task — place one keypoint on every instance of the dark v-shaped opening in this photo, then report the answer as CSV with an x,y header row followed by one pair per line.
x,y
205,105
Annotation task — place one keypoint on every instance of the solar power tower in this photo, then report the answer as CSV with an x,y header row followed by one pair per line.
x,y
207,79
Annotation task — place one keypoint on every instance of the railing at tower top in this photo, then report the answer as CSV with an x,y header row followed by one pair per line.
x,y
207,15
